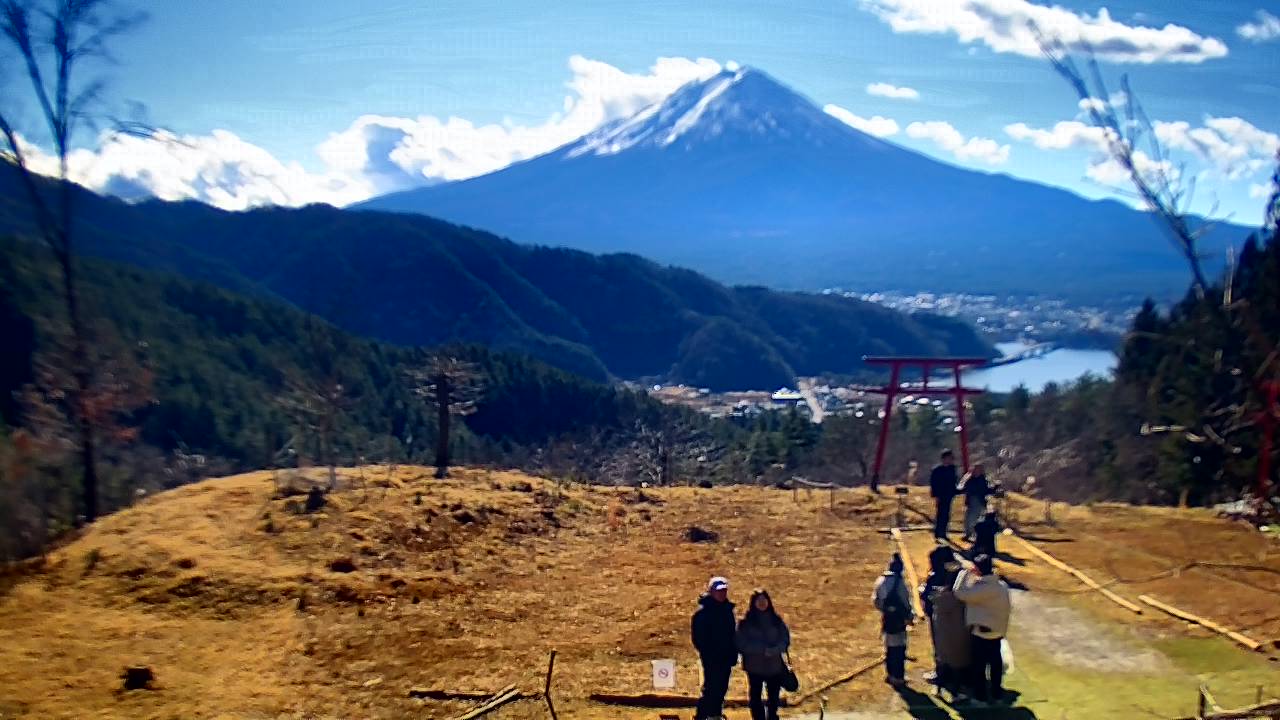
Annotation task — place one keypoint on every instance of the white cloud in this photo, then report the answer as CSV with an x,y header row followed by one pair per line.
x,y
375,154
1117,100
881,89
1075,135
1234,146
1266,28
1062,136
876,125
1260,191
220,169
1014,26
952,140
1106,171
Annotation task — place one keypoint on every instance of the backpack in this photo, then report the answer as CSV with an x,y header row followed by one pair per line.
x,y
894,615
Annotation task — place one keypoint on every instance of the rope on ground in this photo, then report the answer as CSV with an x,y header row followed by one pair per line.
x,y
860,670
912,578
1250,643
1079,576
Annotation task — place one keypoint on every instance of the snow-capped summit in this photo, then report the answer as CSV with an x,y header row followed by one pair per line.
x,y
742,178
742,102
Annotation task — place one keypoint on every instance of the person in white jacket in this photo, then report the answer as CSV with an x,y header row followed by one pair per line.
x,y
986,612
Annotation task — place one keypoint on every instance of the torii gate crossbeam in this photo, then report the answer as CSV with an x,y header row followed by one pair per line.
x,y
895,388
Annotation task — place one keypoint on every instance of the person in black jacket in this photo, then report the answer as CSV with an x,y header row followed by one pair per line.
x,y
714,631
763,639
942,486
984,534
976,490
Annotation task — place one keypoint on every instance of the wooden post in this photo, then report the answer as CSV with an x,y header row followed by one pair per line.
x,y
546,689
1201,703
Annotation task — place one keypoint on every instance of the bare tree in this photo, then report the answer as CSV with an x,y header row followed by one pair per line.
x,y
661,454
318,397
52,40
452,386
1132,143
119,384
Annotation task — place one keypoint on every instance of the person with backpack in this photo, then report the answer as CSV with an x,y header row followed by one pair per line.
x,y
946,623
942,486
976,490
714,631
763,639
892,598
986,612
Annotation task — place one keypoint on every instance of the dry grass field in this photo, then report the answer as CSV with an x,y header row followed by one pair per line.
x,y
246,607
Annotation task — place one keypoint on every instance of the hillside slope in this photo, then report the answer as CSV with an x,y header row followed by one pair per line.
x,y
742,178
411,280
220,364
468,584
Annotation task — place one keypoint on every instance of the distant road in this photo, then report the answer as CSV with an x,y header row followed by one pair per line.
x,y
815,408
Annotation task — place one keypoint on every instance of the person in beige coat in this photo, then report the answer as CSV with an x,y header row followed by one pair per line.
x,y
986,612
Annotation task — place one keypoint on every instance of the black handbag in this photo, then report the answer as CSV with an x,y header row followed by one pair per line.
x,y
788,680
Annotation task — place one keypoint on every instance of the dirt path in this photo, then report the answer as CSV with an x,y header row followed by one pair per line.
x,y
1072,638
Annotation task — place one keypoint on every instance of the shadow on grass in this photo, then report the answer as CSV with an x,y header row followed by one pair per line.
x,y
927,707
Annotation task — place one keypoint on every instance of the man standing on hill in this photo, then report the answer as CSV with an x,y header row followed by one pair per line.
x,y
715,637
942,486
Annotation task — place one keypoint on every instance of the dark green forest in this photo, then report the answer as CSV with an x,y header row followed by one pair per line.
x,y
214,371
417,281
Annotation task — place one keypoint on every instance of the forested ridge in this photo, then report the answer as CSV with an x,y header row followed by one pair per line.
x,y
413,281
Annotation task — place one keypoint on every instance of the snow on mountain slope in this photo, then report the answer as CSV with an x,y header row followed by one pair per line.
x,y
740,177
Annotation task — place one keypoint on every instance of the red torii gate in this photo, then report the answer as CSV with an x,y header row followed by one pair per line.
x,y
895,388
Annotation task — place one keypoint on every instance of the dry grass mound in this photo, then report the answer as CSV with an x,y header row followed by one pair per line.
x,y
244,604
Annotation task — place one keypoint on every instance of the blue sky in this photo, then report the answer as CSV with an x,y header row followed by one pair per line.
x,y
268,96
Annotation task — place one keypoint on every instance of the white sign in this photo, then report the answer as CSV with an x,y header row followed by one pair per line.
x,y
664,674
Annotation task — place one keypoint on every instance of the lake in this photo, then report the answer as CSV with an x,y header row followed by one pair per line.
x,y
1057,366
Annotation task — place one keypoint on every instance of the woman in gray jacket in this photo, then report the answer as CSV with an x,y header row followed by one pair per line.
x,y
763,639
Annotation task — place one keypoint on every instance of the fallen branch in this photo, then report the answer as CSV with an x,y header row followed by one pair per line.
x,y
840,680
1250,643
659,700
1127,605
496,702
432,694
907,528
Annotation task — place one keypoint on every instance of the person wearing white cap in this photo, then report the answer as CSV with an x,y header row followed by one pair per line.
x,y
714,631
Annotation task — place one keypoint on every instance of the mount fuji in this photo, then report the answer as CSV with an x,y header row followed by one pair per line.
x,y
744,179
